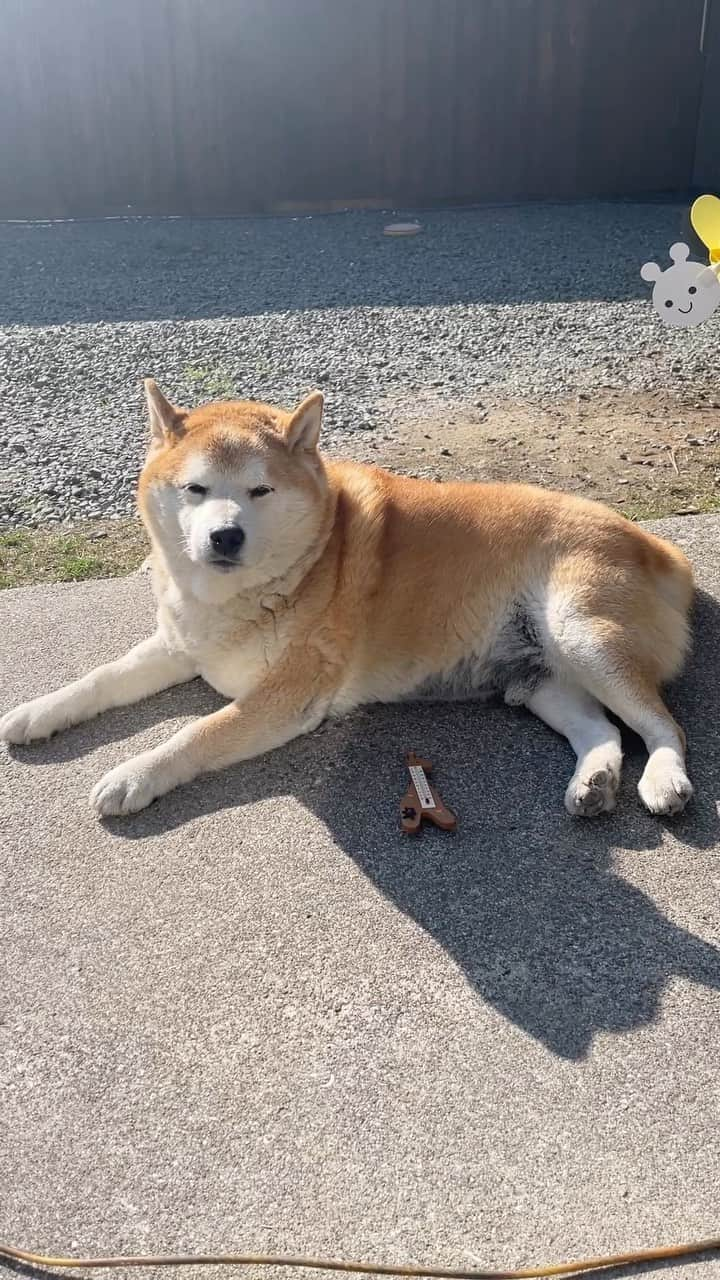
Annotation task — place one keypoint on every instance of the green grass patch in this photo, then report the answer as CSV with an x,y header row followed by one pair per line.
x,y
212,384
94,549
690,504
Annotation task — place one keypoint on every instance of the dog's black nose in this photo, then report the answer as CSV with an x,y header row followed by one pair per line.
x,y
227,541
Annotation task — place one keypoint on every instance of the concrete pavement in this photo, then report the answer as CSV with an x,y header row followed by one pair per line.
x,y
255,1017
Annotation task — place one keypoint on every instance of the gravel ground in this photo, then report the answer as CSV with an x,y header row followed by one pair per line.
x,y
490,305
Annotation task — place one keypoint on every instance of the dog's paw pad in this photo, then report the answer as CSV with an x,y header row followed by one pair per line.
x,y
588,796
665,791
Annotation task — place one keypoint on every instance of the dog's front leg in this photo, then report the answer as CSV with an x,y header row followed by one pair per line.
x,y
145,670
269,717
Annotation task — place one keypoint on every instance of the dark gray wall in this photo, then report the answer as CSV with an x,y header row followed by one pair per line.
x,y
234,106
707,152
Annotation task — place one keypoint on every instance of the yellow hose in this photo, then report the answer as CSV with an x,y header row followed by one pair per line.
x,y
366,1268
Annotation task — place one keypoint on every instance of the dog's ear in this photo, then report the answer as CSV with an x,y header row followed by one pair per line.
x,y
166,420
303,430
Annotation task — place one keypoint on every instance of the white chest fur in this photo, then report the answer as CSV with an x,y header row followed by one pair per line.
x,y
234,645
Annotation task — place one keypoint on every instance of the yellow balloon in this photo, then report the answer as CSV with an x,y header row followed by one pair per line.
x,y
705,218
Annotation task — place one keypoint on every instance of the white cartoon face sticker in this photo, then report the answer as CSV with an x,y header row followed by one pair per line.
x,y
685,293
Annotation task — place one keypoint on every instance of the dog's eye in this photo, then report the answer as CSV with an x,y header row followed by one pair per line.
x,y
198,490
261,490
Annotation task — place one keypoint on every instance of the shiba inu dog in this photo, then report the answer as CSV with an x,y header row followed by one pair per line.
x,y
300,588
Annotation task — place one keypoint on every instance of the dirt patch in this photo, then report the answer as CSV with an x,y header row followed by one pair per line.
x,y
648,454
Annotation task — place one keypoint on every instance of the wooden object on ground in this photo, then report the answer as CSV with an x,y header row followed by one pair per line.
x,y
421,802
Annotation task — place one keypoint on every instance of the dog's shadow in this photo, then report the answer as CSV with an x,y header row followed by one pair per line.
x,y
524,899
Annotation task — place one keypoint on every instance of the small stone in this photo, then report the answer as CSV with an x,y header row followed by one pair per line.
x,y
445,453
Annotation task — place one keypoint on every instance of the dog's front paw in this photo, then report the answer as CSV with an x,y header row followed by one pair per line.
x,y
33,720
129,788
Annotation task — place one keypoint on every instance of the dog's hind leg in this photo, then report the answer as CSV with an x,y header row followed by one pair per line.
x,y
664,787
144,670
621,664
575,714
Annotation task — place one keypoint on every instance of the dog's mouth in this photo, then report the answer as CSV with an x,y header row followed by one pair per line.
x,y
224,564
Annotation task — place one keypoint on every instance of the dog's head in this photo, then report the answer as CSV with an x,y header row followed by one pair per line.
x,y
235,493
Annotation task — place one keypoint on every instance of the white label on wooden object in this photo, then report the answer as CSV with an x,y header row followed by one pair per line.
x,y
419,777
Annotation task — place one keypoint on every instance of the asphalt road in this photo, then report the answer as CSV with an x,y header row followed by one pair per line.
x,y
254,1017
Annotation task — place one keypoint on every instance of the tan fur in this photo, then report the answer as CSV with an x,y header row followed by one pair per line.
x,y
383,585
